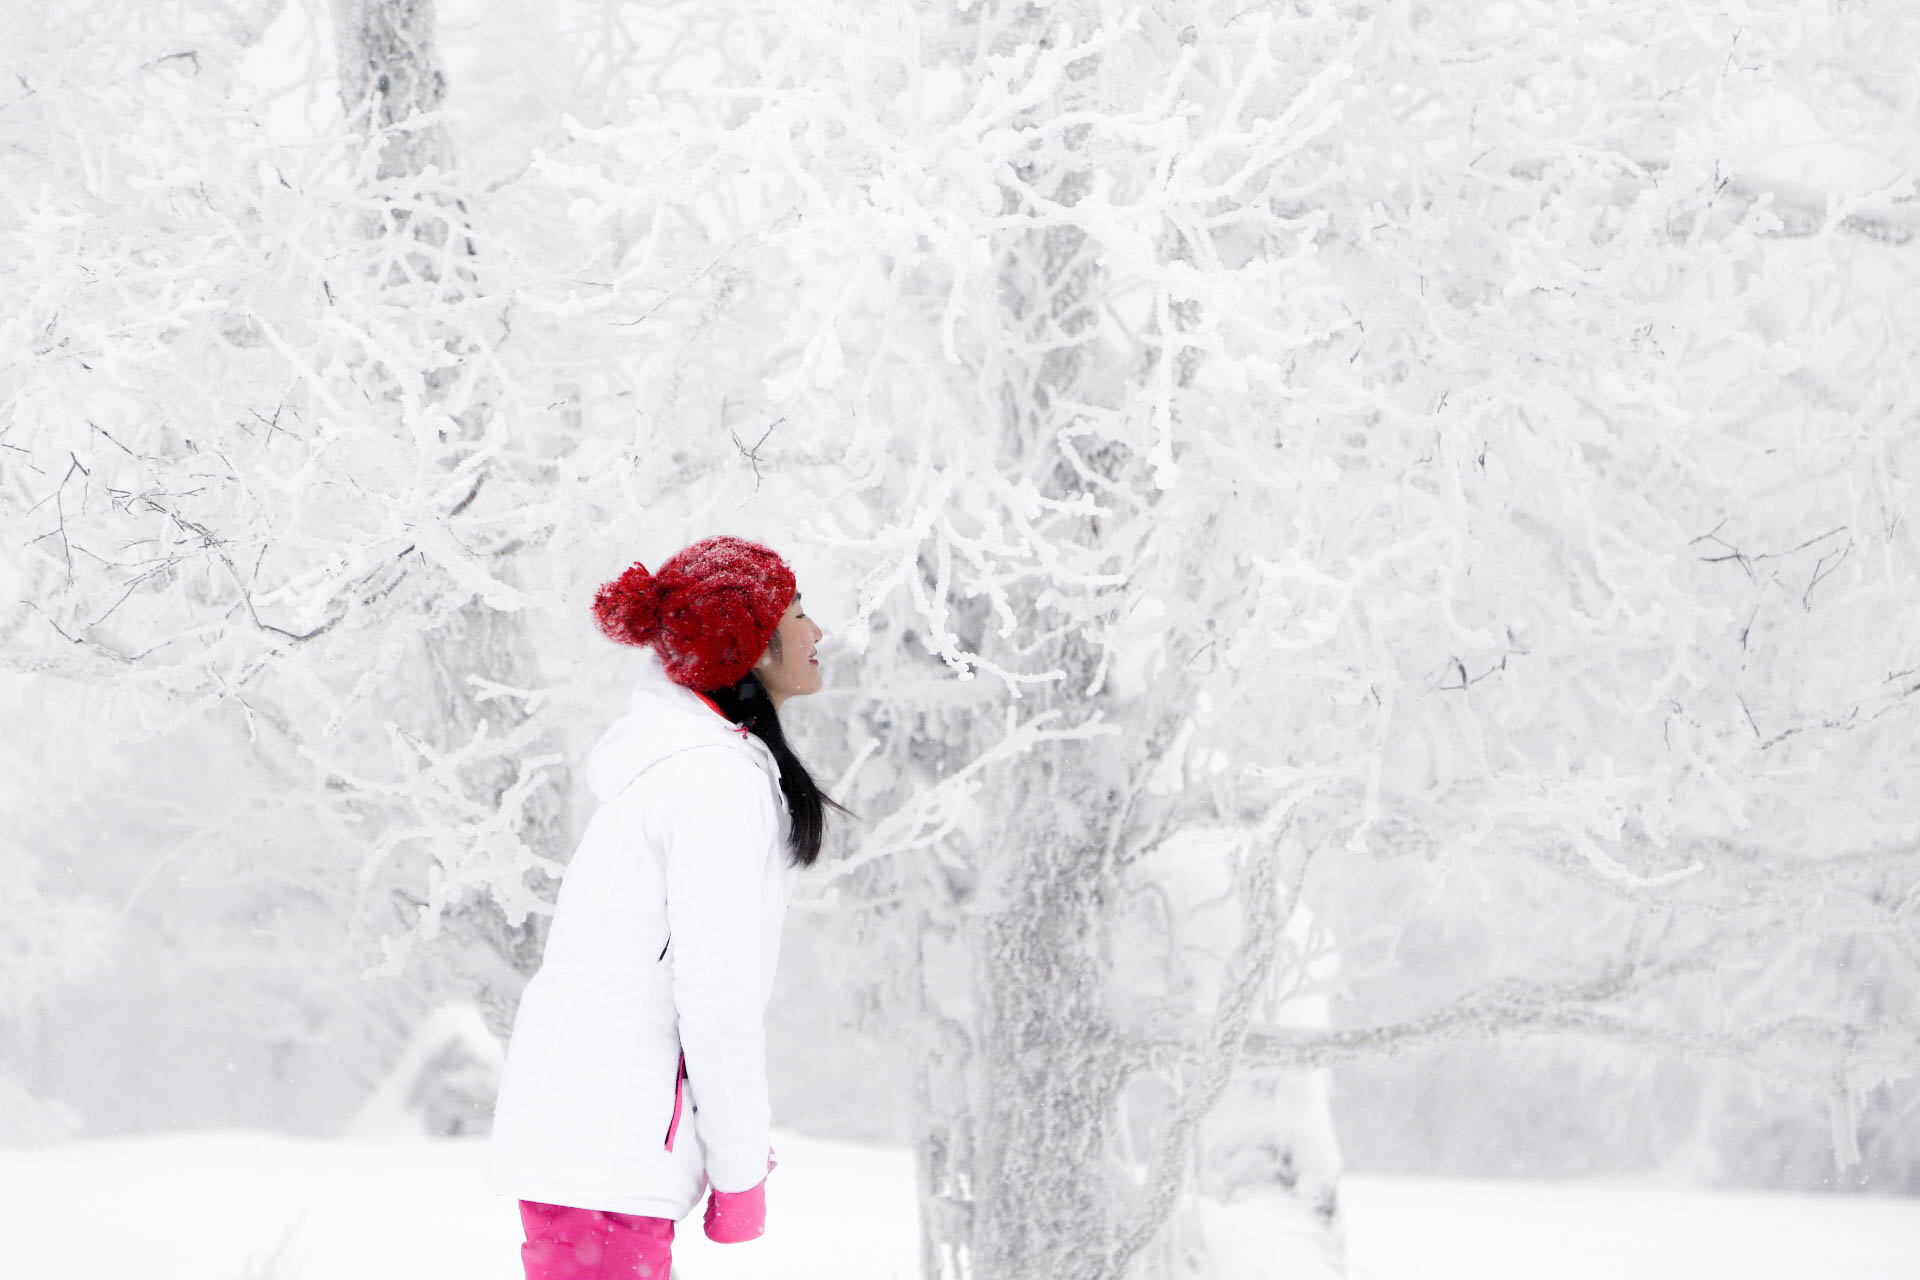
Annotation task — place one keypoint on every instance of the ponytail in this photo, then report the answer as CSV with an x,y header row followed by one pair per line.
x,y
747,703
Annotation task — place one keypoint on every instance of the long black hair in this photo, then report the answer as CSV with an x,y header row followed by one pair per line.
x,y
747,702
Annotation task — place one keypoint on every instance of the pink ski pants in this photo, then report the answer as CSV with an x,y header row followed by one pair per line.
x,y
565,1243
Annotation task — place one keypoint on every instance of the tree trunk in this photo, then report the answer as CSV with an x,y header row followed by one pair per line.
x,y
1041,1174
390,82
1044,1206
390,76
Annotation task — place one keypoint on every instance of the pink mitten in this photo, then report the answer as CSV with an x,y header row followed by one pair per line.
x,y
737,1216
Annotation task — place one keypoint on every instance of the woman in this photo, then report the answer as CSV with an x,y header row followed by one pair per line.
x,y
636,1075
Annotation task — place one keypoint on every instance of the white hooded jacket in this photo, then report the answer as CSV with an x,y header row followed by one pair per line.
x,y
643,1027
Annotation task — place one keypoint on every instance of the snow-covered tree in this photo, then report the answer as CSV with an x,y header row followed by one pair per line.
x,y
1442,434
273,484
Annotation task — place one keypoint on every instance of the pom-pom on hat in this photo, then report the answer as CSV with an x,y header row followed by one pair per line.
x,y
709,611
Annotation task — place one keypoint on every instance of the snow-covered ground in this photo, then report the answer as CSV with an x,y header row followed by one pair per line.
x,y
254,1206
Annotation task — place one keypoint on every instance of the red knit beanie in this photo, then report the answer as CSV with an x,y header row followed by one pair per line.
x,y
709,611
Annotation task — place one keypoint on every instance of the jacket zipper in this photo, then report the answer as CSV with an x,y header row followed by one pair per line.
x,y
679,1088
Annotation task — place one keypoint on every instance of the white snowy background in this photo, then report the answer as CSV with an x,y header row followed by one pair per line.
x,y
1369,565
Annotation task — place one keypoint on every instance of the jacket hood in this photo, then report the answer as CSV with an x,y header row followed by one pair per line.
x,y
664,719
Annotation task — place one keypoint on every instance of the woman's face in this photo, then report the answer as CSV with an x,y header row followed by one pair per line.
x,y
789,668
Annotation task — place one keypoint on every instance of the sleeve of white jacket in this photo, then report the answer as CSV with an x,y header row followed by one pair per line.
x,y
718,841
